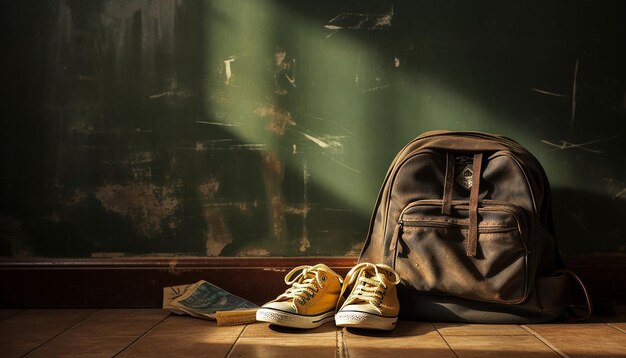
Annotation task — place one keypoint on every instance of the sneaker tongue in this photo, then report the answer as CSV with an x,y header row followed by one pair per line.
x,y
368,274
309,279
323,269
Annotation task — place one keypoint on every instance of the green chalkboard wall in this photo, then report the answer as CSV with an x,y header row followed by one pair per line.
x,y
264,128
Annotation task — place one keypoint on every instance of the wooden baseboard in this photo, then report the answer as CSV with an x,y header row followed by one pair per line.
x,y
138,281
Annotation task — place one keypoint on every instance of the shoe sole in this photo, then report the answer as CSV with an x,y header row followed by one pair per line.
x,y
293,320
356,319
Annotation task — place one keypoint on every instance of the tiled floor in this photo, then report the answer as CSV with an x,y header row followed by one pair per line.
x,y
155,333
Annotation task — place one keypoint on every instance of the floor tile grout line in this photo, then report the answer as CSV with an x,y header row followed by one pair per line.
x,y
341,348
544,341
616,327
60,333
487,335
232,347
142,335
444,339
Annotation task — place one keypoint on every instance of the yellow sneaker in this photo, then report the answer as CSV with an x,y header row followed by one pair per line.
x,y
373,300
308,303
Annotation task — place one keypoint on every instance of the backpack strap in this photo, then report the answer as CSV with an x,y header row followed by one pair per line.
x,y
448,184
572,309
563,270
472,235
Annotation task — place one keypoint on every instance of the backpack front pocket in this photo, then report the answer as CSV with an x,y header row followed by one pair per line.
x,y
431,257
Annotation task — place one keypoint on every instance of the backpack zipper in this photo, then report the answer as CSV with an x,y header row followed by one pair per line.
x,y
487,205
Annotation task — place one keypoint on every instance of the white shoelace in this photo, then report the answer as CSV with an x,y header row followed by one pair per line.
x,y
306,283
370,289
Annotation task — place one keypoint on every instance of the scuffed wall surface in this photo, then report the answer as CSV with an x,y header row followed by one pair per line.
x,y
243,128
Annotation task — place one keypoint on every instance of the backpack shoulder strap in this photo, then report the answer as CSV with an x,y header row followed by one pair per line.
x,y
573,312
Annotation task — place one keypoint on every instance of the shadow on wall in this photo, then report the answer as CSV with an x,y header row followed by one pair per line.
x,y
221,128
582,219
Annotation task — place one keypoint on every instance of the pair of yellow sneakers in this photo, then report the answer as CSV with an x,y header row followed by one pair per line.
x,y
367,298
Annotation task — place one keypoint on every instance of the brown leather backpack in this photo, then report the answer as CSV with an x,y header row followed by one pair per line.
x,y
465,220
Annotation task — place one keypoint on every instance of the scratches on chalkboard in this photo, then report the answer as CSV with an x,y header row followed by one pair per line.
x,y
549,93
620,194
218,124
163,94
334,123
345,165
251,146
316,140
578,218
582,146
360,21
377,88
573,101
574,87
228,69
617,187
